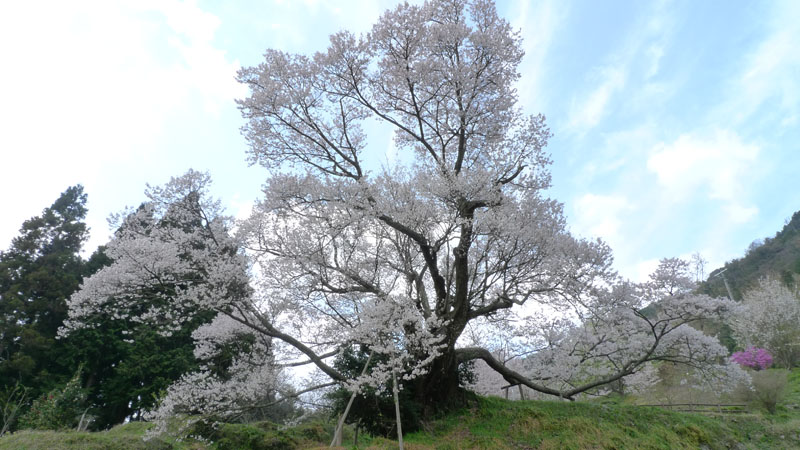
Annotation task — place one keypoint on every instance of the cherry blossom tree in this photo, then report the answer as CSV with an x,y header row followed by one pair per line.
x,y
769,317
618,336
456,231
174,262
456,235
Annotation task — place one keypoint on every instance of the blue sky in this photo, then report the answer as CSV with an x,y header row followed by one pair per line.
x,y
676,124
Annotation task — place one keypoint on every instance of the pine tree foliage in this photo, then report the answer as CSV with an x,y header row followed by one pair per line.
x,y
38,273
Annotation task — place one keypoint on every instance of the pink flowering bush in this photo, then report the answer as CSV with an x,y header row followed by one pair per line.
x,y
753,357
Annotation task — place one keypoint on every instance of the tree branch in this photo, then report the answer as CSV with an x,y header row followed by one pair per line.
x,y
472,353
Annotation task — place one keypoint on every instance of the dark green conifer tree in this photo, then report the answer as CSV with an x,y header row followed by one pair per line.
x,y
38,272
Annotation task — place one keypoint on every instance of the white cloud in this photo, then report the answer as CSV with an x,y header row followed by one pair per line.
x,y
719,164
539,22
600,216
629,69
739,213
91,84
657,192
654,53
241,208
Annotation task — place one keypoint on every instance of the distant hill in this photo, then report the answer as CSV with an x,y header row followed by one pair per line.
x,y
778,256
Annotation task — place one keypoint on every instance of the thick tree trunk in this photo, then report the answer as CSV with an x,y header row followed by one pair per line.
x,y
439,389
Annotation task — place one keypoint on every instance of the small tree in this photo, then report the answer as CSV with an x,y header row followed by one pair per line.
x,y
769,388
753,358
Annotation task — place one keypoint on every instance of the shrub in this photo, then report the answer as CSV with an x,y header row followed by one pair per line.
x,y
754,358
58,409
769,388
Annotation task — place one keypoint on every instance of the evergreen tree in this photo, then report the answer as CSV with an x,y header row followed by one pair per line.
x,y
39,271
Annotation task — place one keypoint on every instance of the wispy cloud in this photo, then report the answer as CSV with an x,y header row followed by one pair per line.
x,y
539,22
767,82
587,112
630,70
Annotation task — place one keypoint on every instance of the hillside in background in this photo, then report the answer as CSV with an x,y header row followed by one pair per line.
x,y
778,256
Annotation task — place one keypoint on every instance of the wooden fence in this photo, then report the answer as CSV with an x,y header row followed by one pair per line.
x,y
704,408
713,408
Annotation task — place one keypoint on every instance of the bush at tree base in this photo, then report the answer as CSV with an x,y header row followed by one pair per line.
x,y
263,435
373,409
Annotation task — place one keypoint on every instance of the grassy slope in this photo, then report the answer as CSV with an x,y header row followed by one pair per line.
x,y
493,423
502,424
121,437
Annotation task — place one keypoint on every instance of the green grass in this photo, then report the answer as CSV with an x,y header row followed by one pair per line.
x,y
497,423
122,437
490,423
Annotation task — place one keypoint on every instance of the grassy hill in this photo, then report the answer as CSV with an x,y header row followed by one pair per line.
x,y
490,423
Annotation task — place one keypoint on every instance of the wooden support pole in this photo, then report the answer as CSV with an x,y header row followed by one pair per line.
x,y
337,435
397,409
